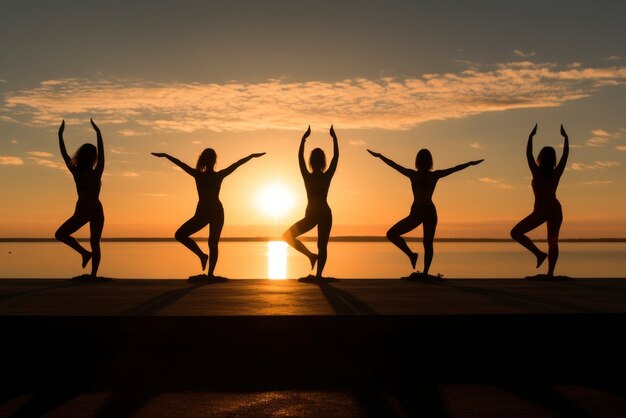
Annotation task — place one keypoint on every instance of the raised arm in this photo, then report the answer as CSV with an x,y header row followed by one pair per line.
x,y
303,170
229,170
185,167
403,170
332,167
100,162
448,171
563,162
529,151
64,153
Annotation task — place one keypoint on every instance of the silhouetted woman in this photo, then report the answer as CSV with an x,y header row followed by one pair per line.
x,y
546,175
423,211
209,209
86,166
317,213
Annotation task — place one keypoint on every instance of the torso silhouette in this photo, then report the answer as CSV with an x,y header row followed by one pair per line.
x,y
317,185
544,186
423,184
208,184
88,185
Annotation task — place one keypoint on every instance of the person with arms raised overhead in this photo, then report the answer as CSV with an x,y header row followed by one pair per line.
x,y
86,166
317,213
546,176
209,210
423,211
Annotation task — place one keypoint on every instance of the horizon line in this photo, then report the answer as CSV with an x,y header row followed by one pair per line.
x,y
341,238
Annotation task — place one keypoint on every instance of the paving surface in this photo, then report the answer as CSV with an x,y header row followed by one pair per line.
x,y
289,297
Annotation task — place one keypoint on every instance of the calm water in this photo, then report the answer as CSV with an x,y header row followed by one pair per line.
x,y
241,260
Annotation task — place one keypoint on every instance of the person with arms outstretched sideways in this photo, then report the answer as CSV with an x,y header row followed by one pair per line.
x,y
546,176
423,211
209,209
86,166
317,213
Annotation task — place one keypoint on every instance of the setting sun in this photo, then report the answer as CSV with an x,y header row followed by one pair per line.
x,y
275,200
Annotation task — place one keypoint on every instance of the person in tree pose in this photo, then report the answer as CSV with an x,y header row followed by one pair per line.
x,y
209,209
546,175
423,211
317,213
86,166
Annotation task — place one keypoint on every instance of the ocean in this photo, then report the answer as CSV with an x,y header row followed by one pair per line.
x,y
275,260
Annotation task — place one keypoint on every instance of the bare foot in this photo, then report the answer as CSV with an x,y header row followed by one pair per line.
x,y
86,258
203,259
541,258
413,259
313,260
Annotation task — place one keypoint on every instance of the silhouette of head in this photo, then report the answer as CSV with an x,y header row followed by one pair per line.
x,y
85,157
546,159
317,160
206,160
424,160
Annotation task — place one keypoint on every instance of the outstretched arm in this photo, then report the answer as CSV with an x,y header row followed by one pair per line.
x,y
185,167
563,162
301,162
333,163
64,153
100,162
448,171
403,170
529,151
229,170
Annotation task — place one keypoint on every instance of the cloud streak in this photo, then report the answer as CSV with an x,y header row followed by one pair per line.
x,y
9,160
357,103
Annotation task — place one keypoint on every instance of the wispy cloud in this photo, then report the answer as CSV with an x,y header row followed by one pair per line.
x,y
598,165
621,147
593,182
14,141
8,160
476,145
357,143
601,137
496,182
357,103
42,154
129,174
613,58
524,54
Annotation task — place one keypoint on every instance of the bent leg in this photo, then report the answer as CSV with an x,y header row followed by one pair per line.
x,y
183,235
297,229
215,231
518,233
96,224
323,235
63,234
430,226
402,227
554,227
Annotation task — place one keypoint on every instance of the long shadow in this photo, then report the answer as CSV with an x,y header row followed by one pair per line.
x,y
547,398
38,290
529,303
344,303
154,305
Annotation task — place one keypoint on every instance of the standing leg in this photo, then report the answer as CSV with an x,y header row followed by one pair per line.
x,y
402,227
215,231
96,224
430,225
190,227
73,224
518,232
297,229
554,227
323,234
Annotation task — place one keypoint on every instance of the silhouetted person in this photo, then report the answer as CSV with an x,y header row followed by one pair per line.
x,y
86,166
317,213
209,209
546,175
423,211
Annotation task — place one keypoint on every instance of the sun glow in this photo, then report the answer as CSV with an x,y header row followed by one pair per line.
x,y
275,200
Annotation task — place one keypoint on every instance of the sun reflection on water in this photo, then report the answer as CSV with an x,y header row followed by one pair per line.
x,y
277,260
